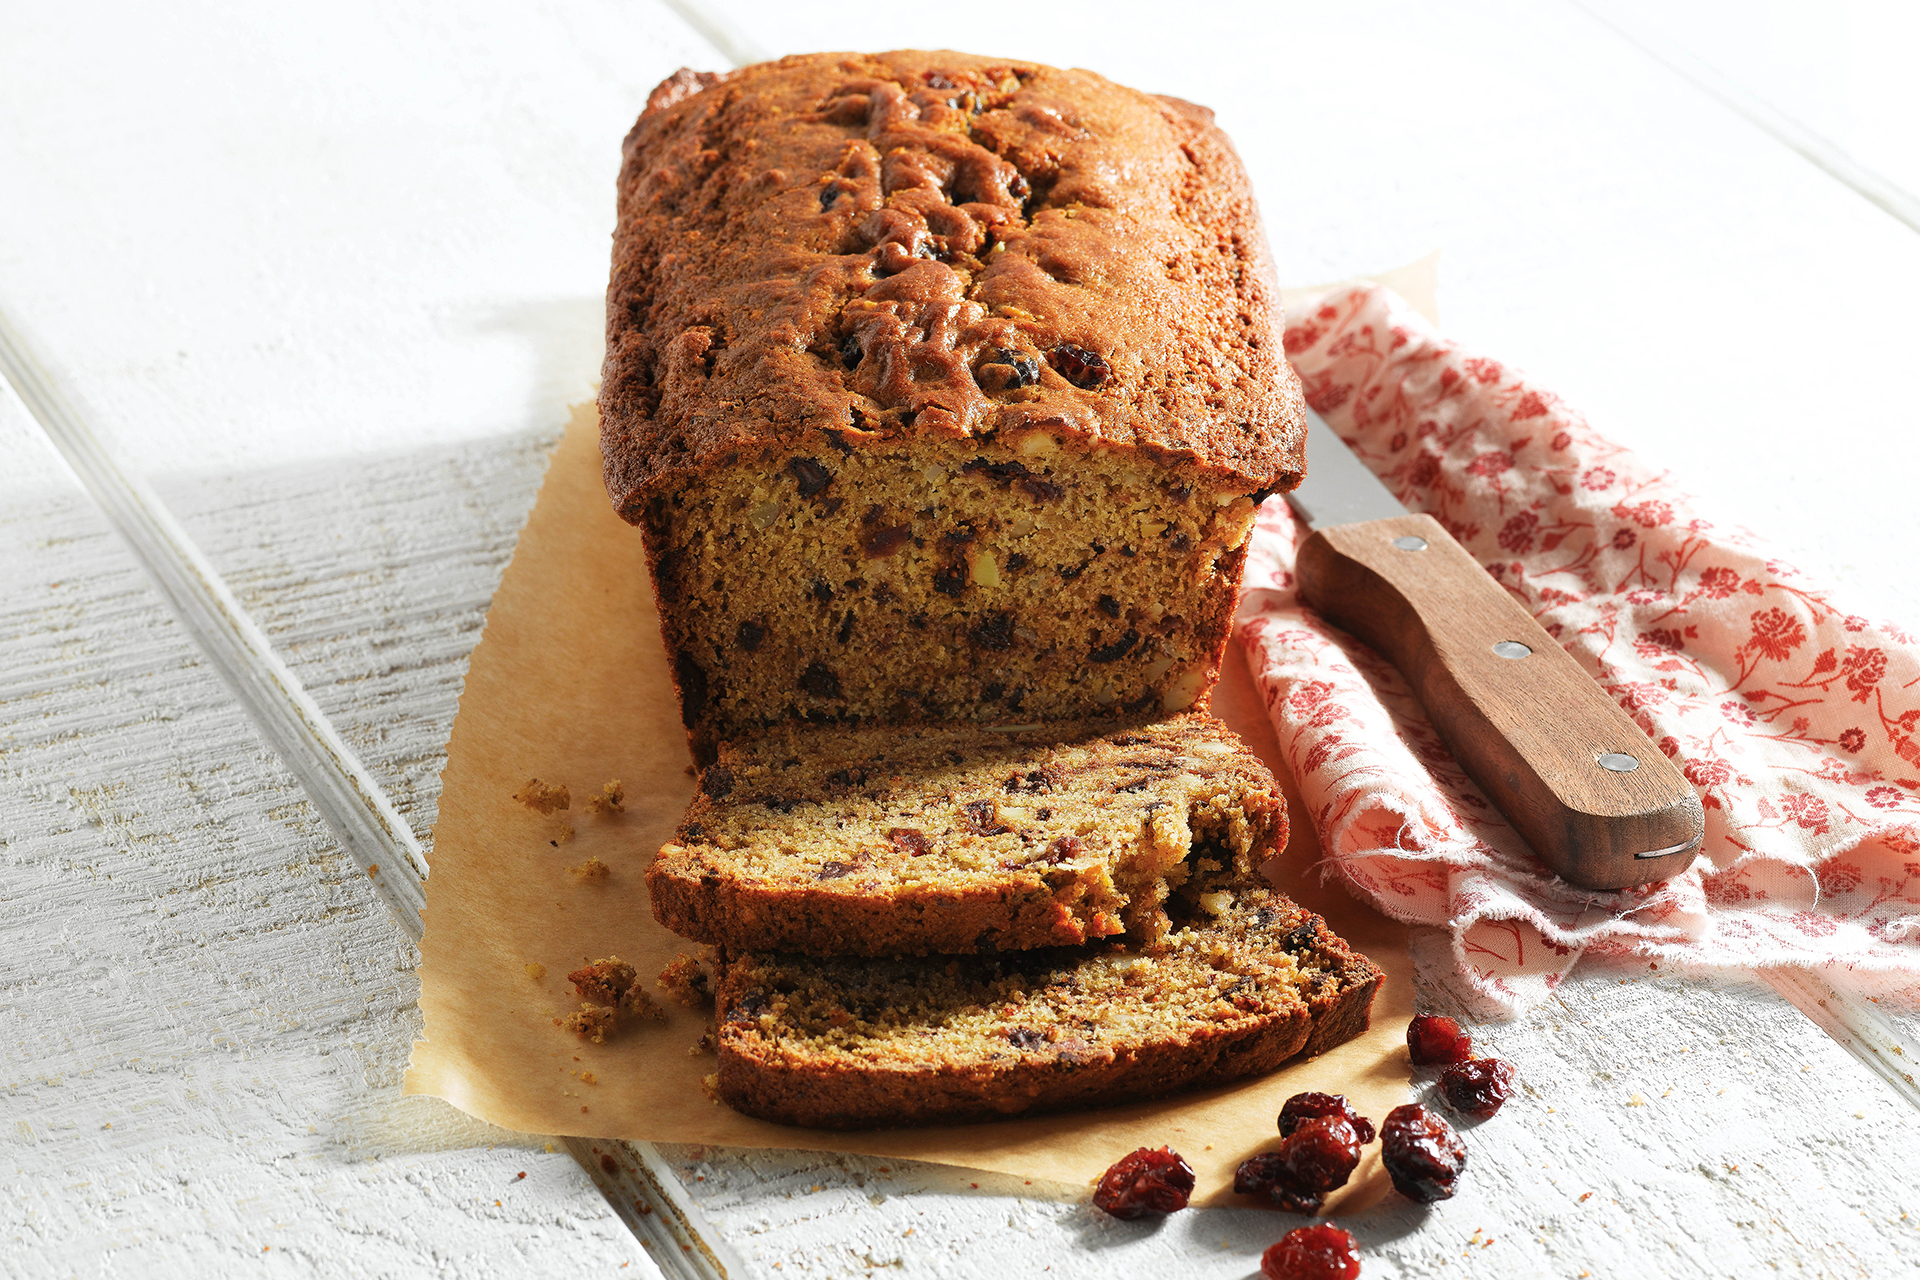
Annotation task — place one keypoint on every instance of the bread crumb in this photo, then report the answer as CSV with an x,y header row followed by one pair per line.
x,y
586,1077
710,1085
705,1044
541,798
688,982
566,834
612,799
536,971
373,870
593,1021
602,981
607,991
593,871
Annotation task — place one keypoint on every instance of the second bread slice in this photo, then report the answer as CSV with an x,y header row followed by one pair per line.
x,y
960,840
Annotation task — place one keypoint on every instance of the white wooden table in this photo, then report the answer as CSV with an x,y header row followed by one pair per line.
x,y
321,280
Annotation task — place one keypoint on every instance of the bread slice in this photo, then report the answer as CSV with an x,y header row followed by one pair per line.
x,y
943,388
960,840
1247,980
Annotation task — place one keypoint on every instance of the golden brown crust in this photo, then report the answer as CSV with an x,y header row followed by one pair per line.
x,y
835,242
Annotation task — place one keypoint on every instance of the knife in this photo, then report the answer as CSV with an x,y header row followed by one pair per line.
x,y
1592,795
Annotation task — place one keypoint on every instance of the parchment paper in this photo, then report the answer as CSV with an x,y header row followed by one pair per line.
x,y
570,684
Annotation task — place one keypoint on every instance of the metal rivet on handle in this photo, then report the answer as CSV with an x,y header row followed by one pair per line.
x,y
1512,649
1409,542
1618,761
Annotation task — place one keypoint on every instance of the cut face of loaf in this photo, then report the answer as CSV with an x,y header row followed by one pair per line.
x,y
917,840
942,386
942,579
1246,981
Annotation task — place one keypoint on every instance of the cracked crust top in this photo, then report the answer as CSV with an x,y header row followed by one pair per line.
x,y
961,245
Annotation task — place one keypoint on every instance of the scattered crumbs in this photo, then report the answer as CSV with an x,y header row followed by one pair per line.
x,y
523,1173
609,1165
373,870
710,1085
594,1021
566,834
647,1209
583,1110
1667,1094
541,798
612,799
536,971
586,1077
1209,1146
705,1044
550,1150
974,1185
496,1204
592,871
1584,1197
907,1232
687,981
1636,1101
1549,1110
1859,1115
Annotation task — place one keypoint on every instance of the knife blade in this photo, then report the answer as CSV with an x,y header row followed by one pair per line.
x,y
1577,778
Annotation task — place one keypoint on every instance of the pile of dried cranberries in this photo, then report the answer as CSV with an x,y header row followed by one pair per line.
x,y
1320,1140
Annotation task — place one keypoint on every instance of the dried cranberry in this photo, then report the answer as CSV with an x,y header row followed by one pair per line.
x,y
1147,1181
1477,1086
909,840
1423,1155
1083,368
1026,371
811,476
1433,1039
1320,1252
1301,1106
1318,1156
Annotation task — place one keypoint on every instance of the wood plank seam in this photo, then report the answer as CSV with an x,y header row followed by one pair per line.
x,y
354,806
1820,151
722,34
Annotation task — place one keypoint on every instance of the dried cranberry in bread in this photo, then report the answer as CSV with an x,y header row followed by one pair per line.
x,y
1244,982
942,387
913,840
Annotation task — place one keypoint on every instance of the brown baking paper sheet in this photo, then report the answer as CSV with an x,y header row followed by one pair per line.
x,y
570,684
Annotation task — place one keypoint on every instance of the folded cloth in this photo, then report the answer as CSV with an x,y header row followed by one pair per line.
x,y
1797,721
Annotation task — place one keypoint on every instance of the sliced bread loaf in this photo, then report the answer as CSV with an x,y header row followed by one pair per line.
x,y
1246,980
959,840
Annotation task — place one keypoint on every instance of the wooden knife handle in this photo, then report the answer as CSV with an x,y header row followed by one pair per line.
x,y
1532,729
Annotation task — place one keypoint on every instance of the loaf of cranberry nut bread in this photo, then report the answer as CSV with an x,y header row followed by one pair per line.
x,y
942,387
1246,980
900,841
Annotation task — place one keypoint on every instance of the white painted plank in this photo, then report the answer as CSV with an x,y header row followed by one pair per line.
x,y
1840,69
206,1011
248,234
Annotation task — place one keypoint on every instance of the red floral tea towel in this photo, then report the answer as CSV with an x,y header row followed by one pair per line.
x,y
1797,721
